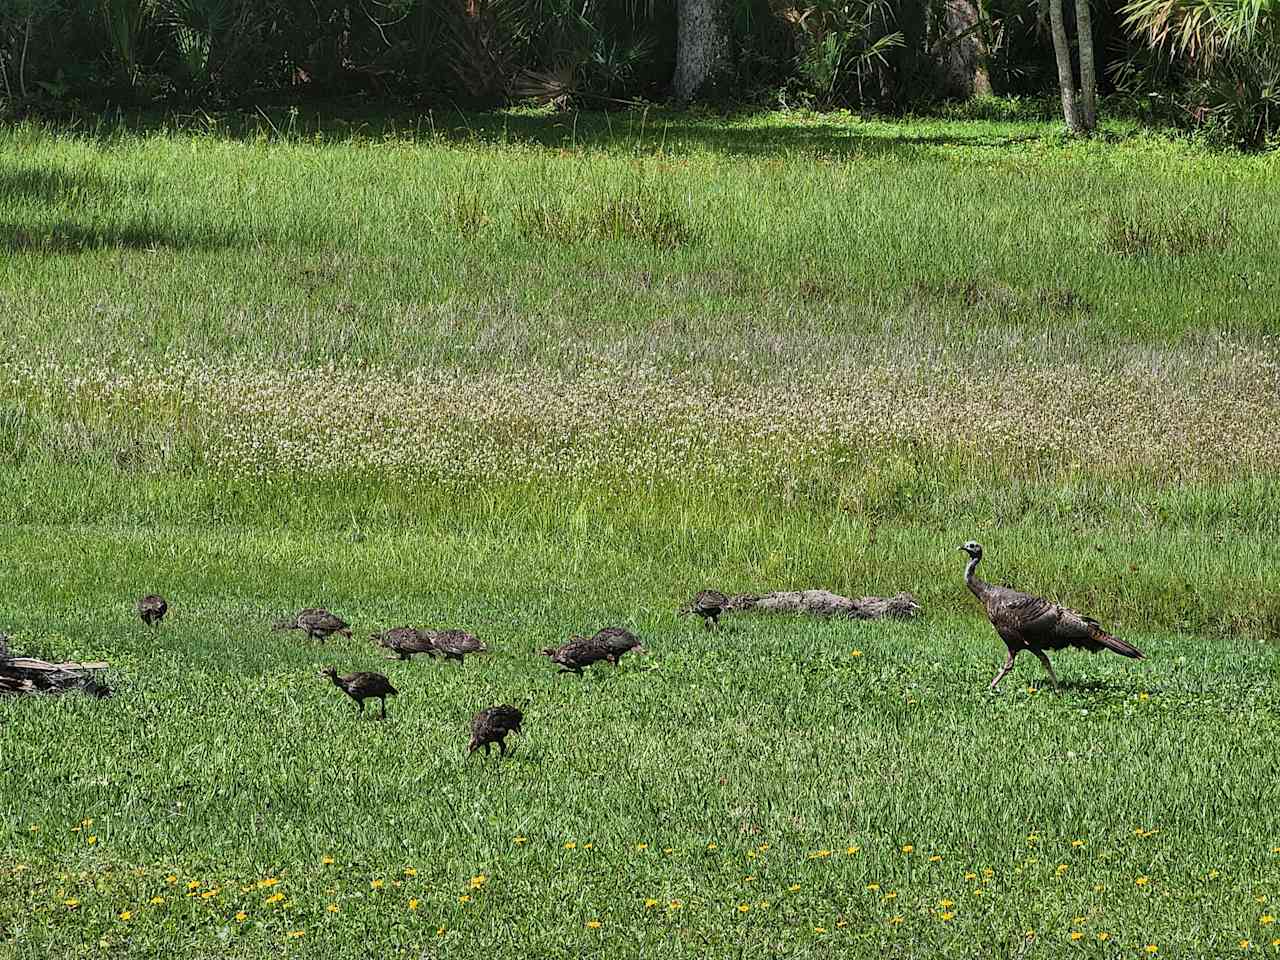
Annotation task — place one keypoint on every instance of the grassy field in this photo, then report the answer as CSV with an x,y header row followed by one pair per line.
x,y
532,375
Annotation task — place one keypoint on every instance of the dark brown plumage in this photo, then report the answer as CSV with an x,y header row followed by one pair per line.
x,y
152,609
708,604
1027,622
578,654
316,622
618,641
492,726
404,642
455,644
363,686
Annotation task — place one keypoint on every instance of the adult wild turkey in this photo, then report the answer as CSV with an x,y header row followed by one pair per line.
x,y
708,604
618,641
578,654
363,686
152,609
316,622
404,642
1027,622
454,644
492,726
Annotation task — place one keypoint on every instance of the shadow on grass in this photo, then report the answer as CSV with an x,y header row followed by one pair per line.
x,y
54,184
646,130
69,237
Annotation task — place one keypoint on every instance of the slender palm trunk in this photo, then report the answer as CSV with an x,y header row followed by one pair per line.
x,y
1088,77
1066,80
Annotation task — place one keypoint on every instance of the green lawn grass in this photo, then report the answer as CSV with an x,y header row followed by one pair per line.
x,y
532,375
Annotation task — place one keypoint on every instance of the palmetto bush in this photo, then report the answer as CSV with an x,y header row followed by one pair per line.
x,y
1226,54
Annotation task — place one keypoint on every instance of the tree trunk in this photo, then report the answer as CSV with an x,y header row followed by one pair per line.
x,y
964,49
702,48
1088,78
1066,80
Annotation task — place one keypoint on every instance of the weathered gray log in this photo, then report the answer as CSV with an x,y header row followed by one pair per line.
x,y
824,603
30,675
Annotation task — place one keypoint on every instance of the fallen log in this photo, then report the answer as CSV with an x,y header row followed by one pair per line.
x,y
31,675
824,603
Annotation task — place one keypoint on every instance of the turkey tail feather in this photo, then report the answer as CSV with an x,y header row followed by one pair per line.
x,y
1116,645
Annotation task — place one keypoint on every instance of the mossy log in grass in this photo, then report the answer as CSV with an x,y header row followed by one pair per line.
x,y
824,603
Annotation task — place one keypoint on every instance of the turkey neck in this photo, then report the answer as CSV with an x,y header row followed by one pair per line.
x,y
979,587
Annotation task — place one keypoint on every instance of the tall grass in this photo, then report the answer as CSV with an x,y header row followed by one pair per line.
x,y
533,387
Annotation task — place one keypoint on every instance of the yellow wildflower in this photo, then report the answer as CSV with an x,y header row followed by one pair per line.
x,y
268,882
241,916
674,905
332,908
275,898
794,887
819,929
819,854
1151,948
1266,920
295,934
1077,935
569,844
1077,843
91,841
410,872
327,861
908,848
1142,881
1104,936
744,907
642,846
413,904
71,902
946,916
896,919
593,924
650,902
126,915
1062,868
970,876
171,879
478,881
1032,838
519,839
156,901
873,886
464,898
376,884
712,846
210,894
946,903
193,885
935,859
856,653
852,849
1244,944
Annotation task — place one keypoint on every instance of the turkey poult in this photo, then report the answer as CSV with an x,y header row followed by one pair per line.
x,y
618,641
455,644
492,726
708,605
363,686
152,609
578,654
1026,622
317,623
404,642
